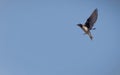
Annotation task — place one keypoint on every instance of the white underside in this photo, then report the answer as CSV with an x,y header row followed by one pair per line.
x,y
86,30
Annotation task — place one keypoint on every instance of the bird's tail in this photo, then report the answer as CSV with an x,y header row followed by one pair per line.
x,y
90,35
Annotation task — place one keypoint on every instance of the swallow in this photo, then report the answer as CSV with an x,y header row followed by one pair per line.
x,y
89,23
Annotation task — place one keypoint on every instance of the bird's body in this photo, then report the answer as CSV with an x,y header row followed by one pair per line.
x,y
89,23
84,28
87,31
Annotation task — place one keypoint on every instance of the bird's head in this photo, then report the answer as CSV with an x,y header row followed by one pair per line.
x,y
80,25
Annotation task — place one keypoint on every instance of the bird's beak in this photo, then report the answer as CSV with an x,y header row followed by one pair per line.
x,y
78,24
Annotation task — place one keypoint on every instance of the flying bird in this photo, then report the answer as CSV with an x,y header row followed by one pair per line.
x,y
89,23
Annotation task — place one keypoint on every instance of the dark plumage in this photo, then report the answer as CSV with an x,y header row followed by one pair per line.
x,y
89,23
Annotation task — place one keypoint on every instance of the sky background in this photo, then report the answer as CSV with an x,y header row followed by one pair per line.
x,y
40,37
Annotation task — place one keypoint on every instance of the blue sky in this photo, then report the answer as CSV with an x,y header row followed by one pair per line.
x,y
40,37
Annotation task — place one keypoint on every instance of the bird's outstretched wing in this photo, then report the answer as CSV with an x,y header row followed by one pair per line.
x,y
92,19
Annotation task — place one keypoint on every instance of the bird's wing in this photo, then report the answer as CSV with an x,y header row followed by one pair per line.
x,y
92,19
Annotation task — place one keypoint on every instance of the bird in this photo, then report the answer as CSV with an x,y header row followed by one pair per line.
x,y
89,23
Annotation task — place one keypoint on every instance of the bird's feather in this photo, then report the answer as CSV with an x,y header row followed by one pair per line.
x,y
92,19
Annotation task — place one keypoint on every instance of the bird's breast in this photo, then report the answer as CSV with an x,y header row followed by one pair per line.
x,y
85,28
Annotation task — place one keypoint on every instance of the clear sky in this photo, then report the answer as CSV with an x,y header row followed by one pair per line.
x,y
40,37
